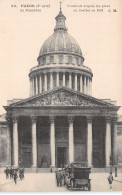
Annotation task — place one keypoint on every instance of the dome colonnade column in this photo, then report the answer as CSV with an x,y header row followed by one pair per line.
x,y
40,82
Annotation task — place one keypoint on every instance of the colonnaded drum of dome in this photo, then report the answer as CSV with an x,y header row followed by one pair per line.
x,y
60,63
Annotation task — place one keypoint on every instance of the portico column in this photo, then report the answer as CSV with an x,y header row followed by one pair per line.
x,y
52,140
70,80
108,141
51,80
84,84
115,141
8,141
89,140
40,84
45,82
76,82
15,142
81,83
64,79
57,79
34,142
71,139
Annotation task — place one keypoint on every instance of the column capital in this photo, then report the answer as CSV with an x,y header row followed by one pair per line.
x,y
89,119
52,119
114,119
45,73
108,119
15,119
70,119
8,118
33,119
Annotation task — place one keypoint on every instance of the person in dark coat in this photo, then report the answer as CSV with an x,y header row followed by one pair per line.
x,y
21,173
110,179
62,177
15,177
11,173
58,177
7,173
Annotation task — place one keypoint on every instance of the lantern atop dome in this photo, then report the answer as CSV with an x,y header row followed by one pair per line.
x,y
60,21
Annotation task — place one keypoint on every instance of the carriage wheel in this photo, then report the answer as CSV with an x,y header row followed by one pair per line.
x,y
72,184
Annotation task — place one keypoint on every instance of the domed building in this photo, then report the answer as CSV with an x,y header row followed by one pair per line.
x,y
61,122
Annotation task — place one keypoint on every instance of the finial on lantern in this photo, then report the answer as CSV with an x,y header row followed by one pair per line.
x,y
60,5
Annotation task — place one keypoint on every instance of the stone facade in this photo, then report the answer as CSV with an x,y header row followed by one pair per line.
x,y
60,122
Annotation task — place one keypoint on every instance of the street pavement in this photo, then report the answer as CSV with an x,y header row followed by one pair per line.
x,y
46,182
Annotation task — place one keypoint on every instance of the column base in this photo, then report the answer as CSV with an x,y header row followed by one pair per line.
x,y
52,168
90,166
107,166
33,168
15,166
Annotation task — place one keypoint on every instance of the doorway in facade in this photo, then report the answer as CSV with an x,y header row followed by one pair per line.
x,y
61,157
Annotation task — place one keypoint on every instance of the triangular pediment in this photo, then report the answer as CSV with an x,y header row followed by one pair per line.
x,y
61,97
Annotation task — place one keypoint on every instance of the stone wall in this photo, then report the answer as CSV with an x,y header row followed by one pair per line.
x,y
5,157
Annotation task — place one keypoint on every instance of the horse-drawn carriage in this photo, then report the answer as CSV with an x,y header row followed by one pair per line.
x,y
78,177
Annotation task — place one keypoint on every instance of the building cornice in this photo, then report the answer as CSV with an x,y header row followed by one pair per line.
x,y
61,68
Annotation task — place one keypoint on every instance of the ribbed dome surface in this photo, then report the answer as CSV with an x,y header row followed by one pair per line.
x,y
60,41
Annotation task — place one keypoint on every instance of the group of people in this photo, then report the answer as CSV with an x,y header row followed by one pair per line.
x,y
61,177
12,173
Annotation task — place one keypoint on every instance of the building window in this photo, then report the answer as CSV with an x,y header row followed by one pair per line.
x,y
70,59
77,60
60,59
81,61
51,59
43,61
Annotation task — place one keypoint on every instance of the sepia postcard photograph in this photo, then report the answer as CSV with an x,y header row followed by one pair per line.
x,y
60,96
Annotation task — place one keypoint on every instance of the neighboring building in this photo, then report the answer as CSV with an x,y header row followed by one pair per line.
x,y
60,122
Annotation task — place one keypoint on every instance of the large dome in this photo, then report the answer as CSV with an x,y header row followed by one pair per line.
x,y
60,41
60,63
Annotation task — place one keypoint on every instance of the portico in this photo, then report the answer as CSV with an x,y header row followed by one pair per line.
x,y
42,134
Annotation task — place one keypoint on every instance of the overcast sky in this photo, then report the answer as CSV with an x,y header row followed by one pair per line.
x,y
23,33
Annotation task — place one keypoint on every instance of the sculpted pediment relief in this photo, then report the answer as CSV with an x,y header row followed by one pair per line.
x,y
59,98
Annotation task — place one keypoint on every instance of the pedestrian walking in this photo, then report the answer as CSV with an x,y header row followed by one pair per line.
x,y
21,174
62,177
7,172
110,179
15,177
58,177
11,173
